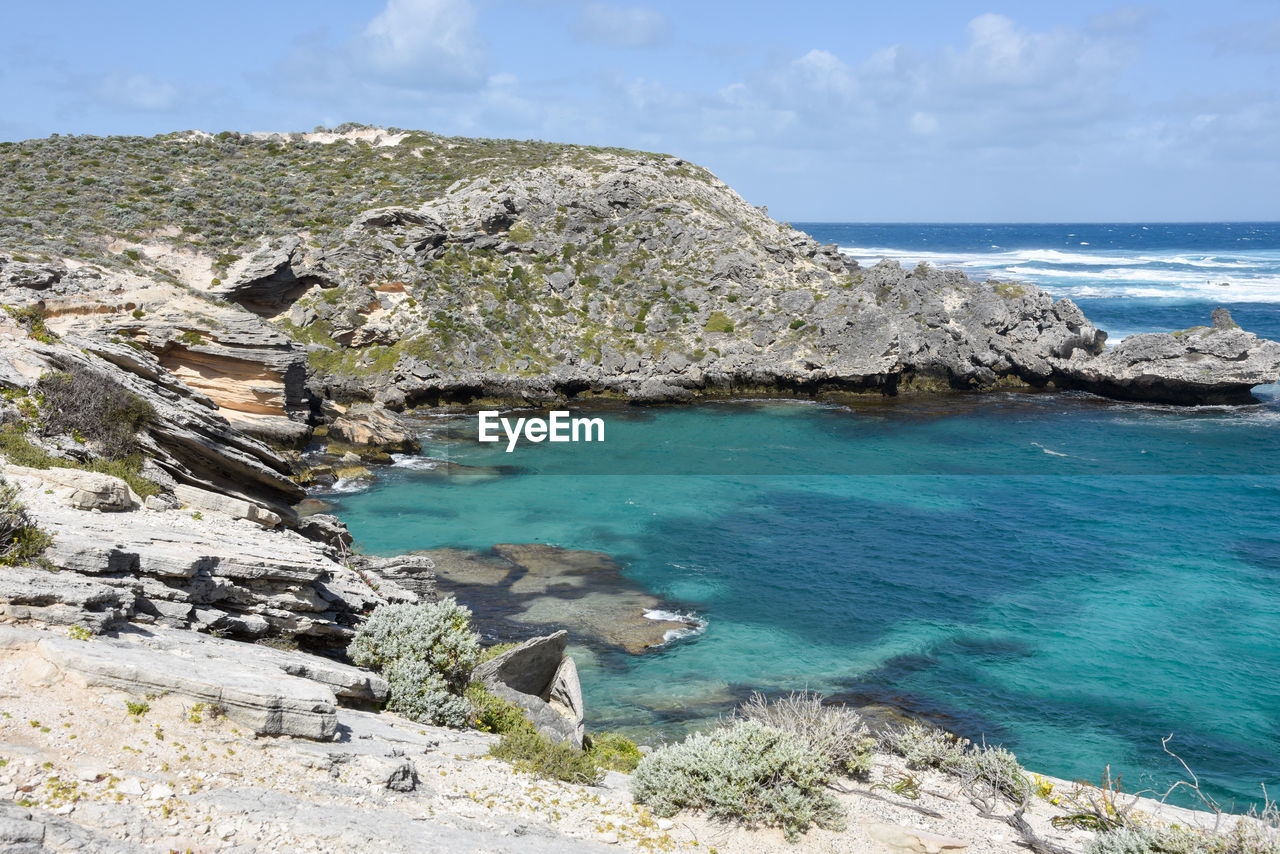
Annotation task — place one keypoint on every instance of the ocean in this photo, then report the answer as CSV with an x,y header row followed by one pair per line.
x,y
1071,577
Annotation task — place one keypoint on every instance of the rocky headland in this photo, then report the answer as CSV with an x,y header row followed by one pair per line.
x,y
230,299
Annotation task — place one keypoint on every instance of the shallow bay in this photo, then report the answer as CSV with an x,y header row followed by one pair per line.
x,y
1070,577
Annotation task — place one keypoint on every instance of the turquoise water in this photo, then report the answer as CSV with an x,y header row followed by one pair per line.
x,y
1073,578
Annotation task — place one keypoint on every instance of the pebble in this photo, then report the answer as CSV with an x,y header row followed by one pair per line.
x,y
130,786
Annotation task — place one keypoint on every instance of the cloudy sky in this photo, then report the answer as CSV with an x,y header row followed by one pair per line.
x,y
885,111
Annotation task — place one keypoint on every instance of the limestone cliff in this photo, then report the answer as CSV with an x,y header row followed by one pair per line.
x,y
270,272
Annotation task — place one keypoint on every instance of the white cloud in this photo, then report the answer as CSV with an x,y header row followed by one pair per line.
x,y
622,26
924,124
140,92
423,44
822,72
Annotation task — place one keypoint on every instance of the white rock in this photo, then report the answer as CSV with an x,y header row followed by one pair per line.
x,y
160,792
899,839
129,786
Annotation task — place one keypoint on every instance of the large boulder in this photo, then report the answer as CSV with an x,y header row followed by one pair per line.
x,y
371,425
83,490
539,678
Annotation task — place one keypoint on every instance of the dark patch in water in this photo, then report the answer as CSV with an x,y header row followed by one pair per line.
x,y
1262,553
1000,648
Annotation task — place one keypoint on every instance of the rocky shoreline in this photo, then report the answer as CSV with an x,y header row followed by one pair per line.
x,y
171,561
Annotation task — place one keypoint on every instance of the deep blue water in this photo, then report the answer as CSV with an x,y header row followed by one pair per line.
x,y
1071,577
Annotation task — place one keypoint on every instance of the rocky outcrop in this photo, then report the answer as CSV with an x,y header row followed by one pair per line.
x,y
648,279
272,278
371,426
32,593
81,490
252,692
1218,364
26,273
201,570
188,440
539,678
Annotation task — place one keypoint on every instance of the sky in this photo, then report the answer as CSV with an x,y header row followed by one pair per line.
x,y
909,111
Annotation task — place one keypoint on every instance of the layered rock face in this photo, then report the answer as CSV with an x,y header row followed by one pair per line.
x,y
210,551
255,375
202,570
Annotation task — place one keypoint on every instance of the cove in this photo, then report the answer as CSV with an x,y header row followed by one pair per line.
x,y
1070,577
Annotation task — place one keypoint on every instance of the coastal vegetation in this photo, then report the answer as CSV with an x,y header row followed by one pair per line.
x,y
78,420
21,541
745,771
208,190
427,653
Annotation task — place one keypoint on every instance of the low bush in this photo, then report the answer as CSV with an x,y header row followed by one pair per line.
x,y
83,402
528,751
929,747
745,771
31,318
20,451
491,713
1244,838
426,653
420,693
438,634
613,752
833,731
718,322
20,540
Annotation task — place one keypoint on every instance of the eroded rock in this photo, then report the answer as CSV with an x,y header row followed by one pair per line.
x,y
540,679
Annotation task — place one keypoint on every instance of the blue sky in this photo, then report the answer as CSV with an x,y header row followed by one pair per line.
x,y
911,111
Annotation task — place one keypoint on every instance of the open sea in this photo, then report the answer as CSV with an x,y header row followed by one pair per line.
x,y
1071,577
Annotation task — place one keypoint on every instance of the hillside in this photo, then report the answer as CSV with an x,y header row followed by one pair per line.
x,y
275,271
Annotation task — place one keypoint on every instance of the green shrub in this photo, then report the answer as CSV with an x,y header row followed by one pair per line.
x,y
420,693
521,232
491,652
833,731
91,404
129,470
929,747
19,451
31,318
137,708
427,653
719,322
438,634
745,771
491,713
535,754
613,752
20,540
